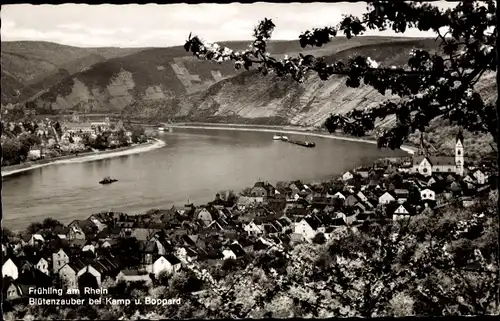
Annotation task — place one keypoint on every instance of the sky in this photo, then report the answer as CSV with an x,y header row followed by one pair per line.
x,y
155,25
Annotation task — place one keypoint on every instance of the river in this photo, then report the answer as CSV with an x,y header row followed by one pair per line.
x,y
193,166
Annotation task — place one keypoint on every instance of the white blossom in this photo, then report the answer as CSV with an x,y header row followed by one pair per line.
x,y
469,92
372,63
486,48
442,80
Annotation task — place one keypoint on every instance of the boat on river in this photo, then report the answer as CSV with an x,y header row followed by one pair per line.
x,y
280,137
108,180
304,143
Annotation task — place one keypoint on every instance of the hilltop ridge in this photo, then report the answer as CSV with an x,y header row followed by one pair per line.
x,y
169,83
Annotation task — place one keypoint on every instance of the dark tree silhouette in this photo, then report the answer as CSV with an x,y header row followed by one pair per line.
x,y
431,85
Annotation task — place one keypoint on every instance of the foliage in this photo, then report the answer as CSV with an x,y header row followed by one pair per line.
x,y
11,150
138,133
431,85
246,191
319,238
50,223
7,235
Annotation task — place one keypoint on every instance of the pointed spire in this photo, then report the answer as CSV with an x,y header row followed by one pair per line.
x,y
460,136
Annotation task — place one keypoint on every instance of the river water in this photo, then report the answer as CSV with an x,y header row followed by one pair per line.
x,y
194,165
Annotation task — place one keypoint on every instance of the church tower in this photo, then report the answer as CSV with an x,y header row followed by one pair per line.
x,y
459,153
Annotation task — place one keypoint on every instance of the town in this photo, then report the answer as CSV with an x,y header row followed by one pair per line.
x,y
131,248
27,138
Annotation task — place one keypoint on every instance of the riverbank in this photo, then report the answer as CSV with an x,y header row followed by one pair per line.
x,y
290,130
84,157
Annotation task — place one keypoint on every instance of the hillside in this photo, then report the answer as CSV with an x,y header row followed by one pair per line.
x,y
168,83
171,82
250,97
36,65
253,98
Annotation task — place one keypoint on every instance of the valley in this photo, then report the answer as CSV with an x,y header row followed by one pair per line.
x,y
169,84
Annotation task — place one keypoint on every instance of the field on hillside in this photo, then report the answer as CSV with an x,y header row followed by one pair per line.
x,y
35,64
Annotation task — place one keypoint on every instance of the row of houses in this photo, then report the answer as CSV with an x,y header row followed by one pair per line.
x,y
87,251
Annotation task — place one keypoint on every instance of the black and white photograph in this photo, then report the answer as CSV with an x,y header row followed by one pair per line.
x,y
250,160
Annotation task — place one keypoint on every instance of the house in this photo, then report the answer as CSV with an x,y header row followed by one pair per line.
x,y
481,178
59,259
263,189
35,240
68,273
204,215
427,195
133,276
306,227
15,291
401,213
401,195
228,254
471,182
427,165
34,153
79,228
339,195
9,269
296,187
237,249
168,263
351,200
252,228
347,176
77,243
285,223
386,198
362,197
98,222
217,225
43,265
270,229
89,247
89,277
363,172
61,231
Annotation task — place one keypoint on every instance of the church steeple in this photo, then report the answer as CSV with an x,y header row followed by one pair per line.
x,y
460,136
459,153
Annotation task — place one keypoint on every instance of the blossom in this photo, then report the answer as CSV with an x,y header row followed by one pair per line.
x,y
486,48
372,63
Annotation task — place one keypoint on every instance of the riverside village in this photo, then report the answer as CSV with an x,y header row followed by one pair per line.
x,y
37,139
109,247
